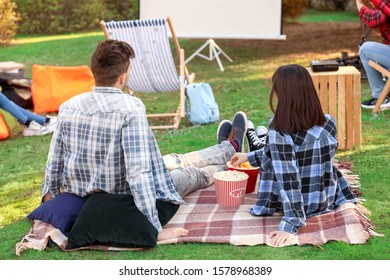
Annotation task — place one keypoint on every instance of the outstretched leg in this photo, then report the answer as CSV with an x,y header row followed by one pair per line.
x,y
218,154
189,179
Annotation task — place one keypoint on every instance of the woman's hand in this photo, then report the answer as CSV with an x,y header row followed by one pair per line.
x,y
281,238
238,158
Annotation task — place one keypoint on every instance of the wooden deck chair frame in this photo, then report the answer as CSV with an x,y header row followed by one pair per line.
x,y
386,89
183,74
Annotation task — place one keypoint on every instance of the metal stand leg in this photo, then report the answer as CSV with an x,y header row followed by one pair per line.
x,y
214,52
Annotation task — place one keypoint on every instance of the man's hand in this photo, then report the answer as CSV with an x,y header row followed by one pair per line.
x,y
281,238
46,197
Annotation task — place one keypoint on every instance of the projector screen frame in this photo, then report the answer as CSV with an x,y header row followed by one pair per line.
x,y
202,35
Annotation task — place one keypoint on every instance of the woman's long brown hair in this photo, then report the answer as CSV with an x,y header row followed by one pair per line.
x,y
298,106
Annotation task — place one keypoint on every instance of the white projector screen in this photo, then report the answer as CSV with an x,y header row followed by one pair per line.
x,y
224,19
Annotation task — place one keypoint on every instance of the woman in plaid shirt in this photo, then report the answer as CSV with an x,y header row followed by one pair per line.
x,y
297,174
378,17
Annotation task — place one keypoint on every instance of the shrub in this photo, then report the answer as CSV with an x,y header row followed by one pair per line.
x,y
293,9
8,20
41,16
121,10
333,5
60,16
85,14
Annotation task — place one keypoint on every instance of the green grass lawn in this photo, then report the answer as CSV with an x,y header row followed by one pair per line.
x,y
321,16
244,85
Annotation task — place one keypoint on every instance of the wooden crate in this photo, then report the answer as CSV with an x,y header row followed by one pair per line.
x,y
339,93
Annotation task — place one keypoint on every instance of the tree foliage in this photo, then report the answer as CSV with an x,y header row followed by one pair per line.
x,y
8,20
60,16
293,9
333,5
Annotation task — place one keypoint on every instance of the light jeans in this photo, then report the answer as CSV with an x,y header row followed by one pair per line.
x,y
380,53
193,171
21,114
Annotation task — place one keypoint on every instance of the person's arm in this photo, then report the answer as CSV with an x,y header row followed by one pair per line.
x,y
382,5
359,4
376,17
254,157
135,143
289,183
54,166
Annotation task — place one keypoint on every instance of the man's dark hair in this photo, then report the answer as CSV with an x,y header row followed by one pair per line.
x,y
110,60
298,106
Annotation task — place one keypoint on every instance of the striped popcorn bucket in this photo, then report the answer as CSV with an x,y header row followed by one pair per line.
x,y
230,187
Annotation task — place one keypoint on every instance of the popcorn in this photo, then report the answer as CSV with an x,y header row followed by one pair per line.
x,y
230,176
244,165
230,187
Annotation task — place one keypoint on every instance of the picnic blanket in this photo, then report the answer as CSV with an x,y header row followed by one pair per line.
x,y
208,222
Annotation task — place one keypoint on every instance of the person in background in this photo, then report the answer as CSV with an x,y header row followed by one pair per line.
x,y
34,124
376,17
297,174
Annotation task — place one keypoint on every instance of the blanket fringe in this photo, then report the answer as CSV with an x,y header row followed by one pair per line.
x,y
38,237
362,209
365,222
29,242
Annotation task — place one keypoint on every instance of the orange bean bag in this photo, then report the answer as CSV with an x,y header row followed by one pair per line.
x,y
53,85
4,130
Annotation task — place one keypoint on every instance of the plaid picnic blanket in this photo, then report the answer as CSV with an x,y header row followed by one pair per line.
x,y
208,222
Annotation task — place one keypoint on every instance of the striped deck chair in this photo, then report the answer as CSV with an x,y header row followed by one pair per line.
x,y
153,68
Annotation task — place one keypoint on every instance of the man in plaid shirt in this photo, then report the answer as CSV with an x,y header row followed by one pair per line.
x,y
103,142
376,17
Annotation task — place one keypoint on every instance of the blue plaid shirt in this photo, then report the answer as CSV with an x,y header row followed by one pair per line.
x,y
298,176
103,142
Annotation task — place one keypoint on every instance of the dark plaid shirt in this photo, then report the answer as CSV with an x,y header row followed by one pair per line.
x,y
378,18
298,176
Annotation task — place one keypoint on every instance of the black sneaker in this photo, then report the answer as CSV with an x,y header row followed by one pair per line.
x,y
224,129
237,136
255,139
370,104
